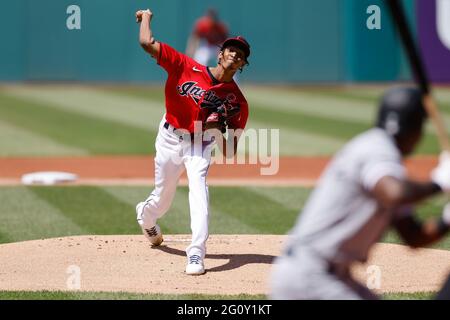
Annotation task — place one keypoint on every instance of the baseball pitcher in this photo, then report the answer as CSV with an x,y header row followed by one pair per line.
x,y
198,99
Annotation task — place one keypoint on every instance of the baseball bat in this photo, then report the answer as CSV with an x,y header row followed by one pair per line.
x,y
415,61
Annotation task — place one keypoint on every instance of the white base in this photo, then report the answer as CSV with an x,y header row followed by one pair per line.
x,y
48,177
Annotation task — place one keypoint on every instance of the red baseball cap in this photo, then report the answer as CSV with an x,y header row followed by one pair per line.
x,y
240,43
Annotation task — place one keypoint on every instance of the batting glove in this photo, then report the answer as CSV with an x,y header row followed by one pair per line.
x,y
441,174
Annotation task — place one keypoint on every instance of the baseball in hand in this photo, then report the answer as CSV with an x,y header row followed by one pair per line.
x,y
140,13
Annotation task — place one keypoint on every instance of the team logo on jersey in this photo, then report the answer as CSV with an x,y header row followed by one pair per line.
x,y
211,98
190,89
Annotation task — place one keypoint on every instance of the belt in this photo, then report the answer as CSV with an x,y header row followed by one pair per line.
x,y
182,136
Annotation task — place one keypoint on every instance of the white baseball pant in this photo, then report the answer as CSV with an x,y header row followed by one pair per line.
x,y
173,156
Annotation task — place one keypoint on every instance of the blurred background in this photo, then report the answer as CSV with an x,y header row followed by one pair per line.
x,y
316,70
293,41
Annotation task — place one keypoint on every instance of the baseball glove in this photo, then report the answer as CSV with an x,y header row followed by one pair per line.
x,y
219,114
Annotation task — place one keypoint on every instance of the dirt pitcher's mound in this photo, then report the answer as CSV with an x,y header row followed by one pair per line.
x,y
235,264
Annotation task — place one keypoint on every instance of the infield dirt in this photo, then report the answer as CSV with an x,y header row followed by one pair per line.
x,y
126,170
234,264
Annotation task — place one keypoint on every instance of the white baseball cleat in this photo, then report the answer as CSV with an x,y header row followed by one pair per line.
x,y
153,234
195,265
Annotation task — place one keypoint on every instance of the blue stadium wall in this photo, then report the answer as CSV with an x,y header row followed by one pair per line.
x,y
293,41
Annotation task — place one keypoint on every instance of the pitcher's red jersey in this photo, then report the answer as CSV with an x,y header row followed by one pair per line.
x,y
186,84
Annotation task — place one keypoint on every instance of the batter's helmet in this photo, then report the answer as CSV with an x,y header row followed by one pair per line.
x,y
401,111
240,43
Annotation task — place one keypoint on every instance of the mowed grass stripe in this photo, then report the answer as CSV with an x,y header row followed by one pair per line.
x,y
373,92
312,104
293,103
358,106
92,208
136,112
94,135
263,214
16,141
177,219
442,99
305,101
335,109
373,95
314,136
295,138
344,130
44,212
354,97
365,93
4,238
291,141
318,125
152,92
294,134
25,216
293,198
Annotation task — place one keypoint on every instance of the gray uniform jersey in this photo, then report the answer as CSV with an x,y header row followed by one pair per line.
x,y
341,219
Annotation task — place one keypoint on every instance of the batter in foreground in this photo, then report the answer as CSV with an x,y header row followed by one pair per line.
x,y
363,191
199,102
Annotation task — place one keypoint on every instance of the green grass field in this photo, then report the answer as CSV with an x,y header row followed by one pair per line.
x,y
79,121
58,295
44,212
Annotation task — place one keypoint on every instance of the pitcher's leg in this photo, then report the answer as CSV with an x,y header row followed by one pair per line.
x,y
197,165
199,211
168,168
160,199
